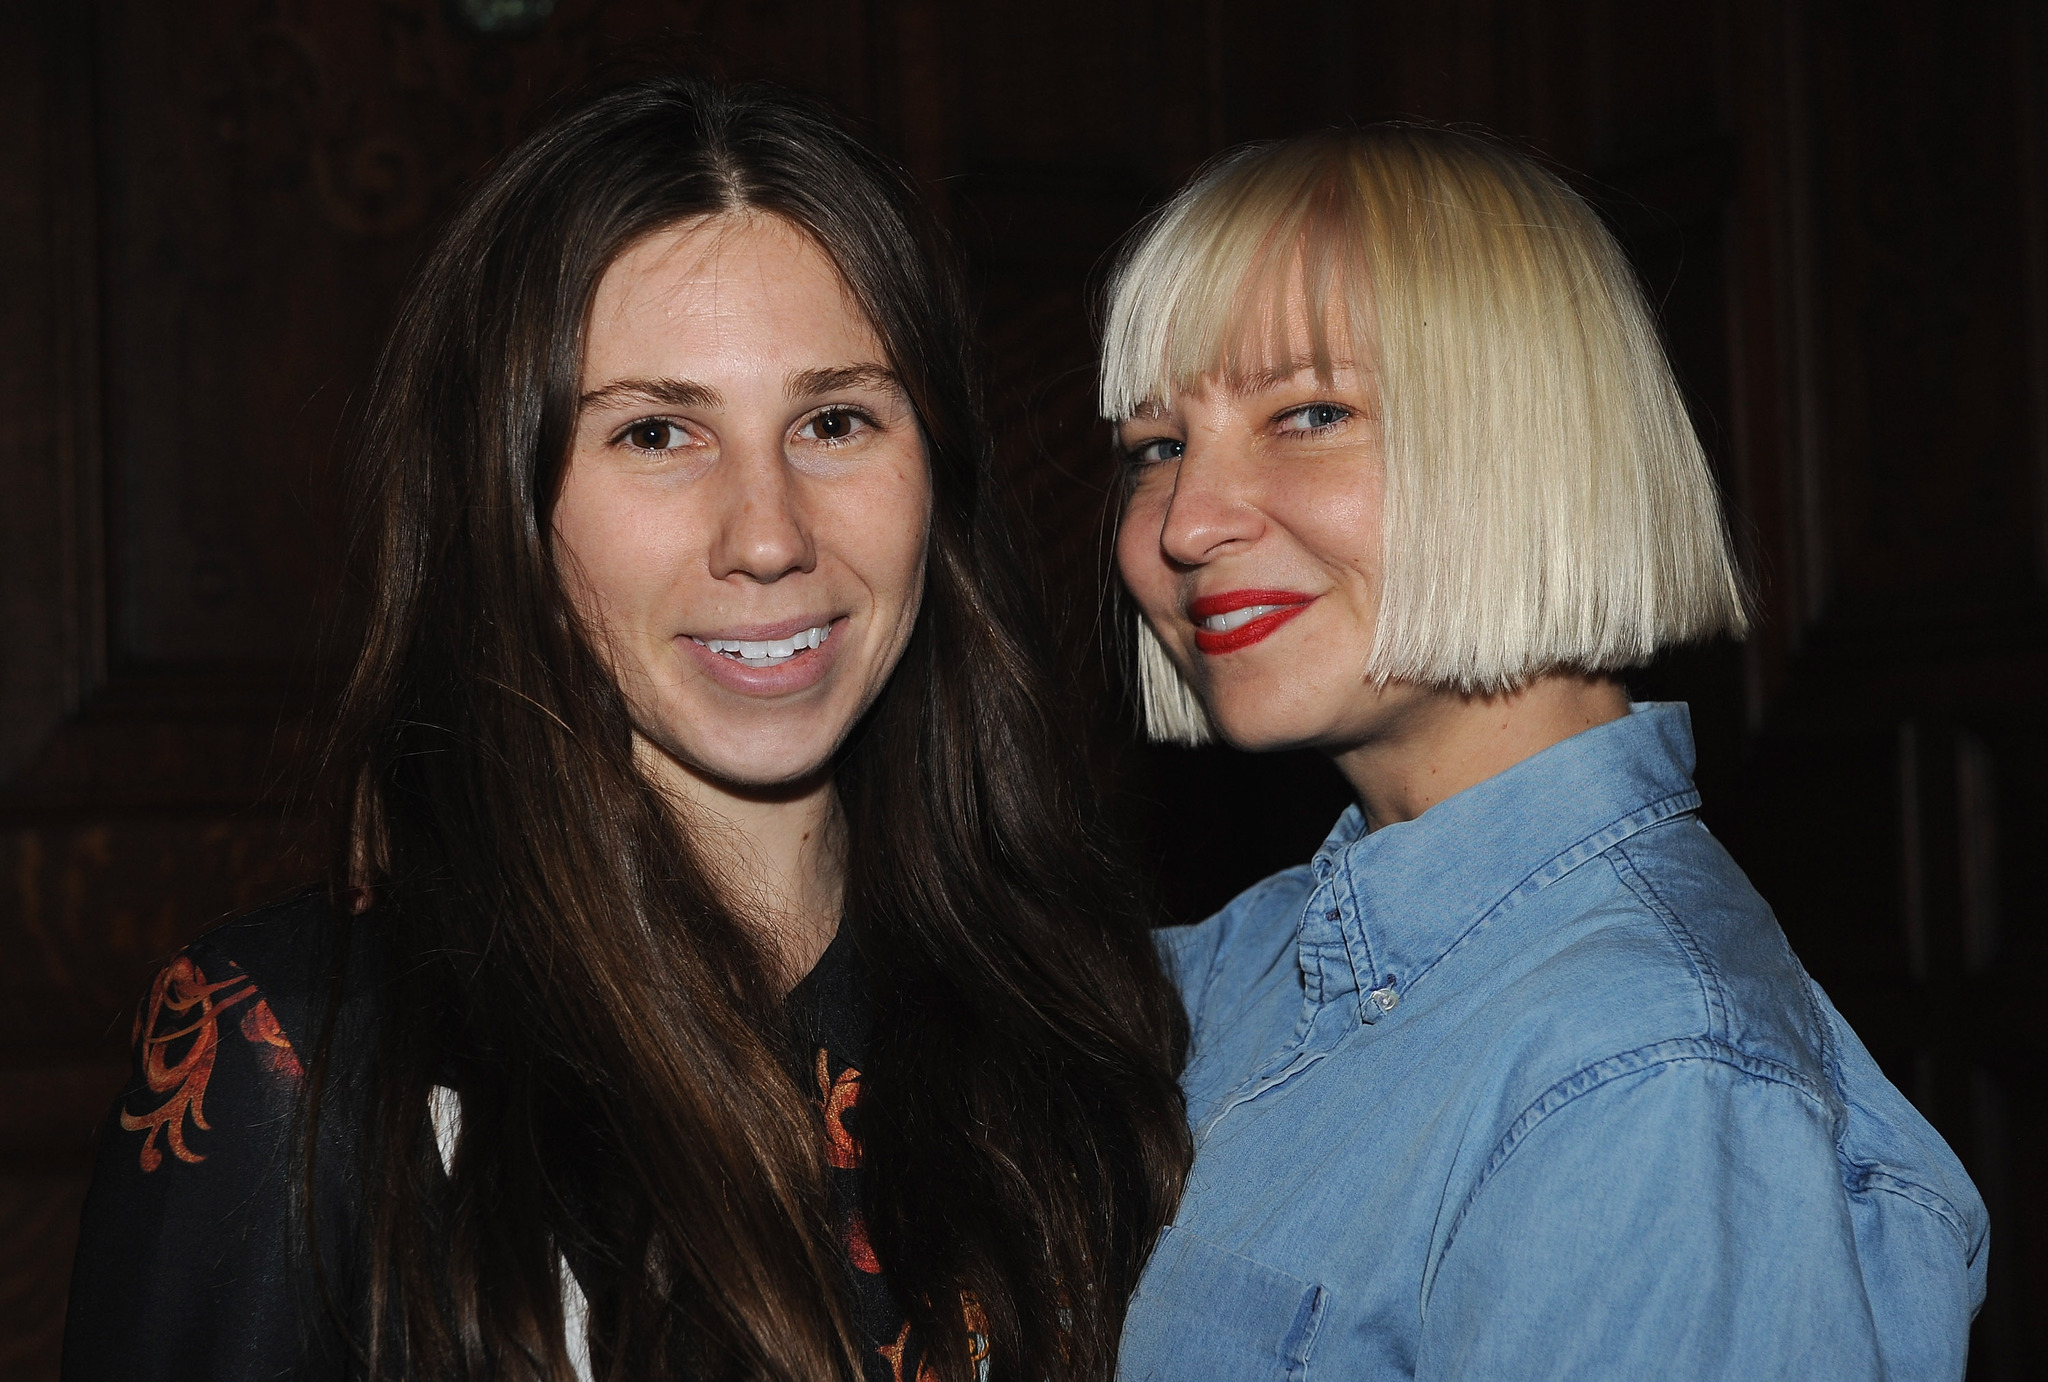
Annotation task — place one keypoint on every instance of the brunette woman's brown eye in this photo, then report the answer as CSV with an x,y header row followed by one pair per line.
x,y
834,425
653,435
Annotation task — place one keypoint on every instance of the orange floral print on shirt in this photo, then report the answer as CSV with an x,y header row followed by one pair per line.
x,y
859,1251
177,1032
273,1047
977,1344
837,1096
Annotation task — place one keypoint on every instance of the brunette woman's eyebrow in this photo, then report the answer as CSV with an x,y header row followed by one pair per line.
x,y
670,393
809,383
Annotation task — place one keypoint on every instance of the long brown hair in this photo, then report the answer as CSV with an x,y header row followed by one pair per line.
x,y
554,941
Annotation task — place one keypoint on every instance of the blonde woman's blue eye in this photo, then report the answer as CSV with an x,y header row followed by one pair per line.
x,y
1157,450
1315,417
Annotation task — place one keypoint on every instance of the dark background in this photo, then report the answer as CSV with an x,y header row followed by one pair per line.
x,y
1840,208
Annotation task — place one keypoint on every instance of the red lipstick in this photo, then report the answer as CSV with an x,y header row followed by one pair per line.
x,y
1276,608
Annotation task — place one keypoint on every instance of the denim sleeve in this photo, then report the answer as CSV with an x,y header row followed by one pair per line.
x,y
1682,1218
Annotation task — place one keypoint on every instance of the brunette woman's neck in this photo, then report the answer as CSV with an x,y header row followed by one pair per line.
x,y
1441,742
779,854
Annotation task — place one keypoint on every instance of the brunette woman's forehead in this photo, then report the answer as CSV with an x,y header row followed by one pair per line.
x,y
700,240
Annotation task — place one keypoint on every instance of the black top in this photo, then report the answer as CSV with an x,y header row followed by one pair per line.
x,y
830,1016
191,1256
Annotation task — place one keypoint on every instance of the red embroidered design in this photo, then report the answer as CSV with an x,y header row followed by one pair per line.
x,y
841,1150
182,1013
894,1353
273,1047
838,1097
859,1249
972,1316
977,1344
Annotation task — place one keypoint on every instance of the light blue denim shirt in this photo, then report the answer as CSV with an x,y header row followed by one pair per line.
x,y
1532,1086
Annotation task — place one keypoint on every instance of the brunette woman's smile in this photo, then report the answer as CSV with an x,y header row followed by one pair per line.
x,y
776,659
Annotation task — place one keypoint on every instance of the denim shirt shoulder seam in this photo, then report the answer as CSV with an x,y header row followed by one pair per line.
x,y
1599,1074
1831,1071
1872,1180
1868,1177
1566,862
1712,993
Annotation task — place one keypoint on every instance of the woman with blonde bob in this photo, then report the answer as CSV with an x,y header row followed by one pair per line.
x,y
1518,1076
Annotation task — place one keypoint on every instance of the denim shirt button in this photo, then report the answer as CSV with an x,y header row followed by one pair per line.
x,y
1332,914
1386,999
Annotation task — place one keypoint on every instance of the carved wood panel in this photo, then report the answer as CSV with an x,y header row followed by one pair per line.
x,y
1839,208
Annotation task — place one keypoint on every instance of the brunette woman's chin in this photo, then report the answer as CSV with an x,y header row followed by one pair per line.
x,y
760,734
763,773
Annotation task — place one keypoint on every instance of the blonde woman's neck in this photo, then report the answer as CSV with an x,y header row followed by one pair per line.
x,y
1430,744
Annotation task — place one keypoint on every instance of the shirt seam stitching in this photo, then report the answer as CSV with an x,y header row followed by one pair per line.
x,y
1831,1069
1599,1075
1715,992
1712,989
1873,1180
1655,813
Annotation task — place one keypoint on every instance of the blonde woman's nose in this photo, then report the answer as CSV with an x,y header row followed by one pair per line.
x,y
1211,509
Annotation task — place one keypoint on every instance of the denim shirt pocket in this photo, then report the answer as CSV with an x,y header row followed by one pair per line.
x,y
1204,1312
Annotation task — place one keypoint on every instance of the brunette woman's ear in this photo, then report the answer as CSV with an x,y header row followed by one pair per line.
x,y
1172,713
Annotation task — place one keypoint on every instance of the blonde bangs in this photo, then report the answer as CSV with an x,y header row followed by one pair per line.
x,y
1205,292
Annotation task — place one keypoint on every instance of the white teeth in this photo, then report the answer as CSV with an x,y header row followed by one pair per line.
x,y
768,652
1237,618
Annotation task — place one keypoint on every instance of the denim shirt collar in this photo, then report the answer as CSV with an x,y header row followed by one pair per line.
x,y
1404,896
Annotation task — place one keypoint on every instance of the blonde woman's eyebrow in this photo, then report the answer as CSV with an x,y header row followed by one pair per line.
x,y
663,393
809,383
1276,375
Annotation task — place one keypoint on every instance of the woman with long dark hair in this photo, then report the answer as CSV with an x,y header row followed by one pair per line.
x,y
721,975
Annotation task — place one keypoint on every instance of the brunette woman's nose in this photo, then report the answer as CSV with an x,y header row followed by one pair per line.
x,y
762,532
1211,509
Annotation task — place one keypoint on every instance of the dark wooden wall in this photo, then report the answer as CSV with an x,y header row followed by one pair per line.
x,y
1842,209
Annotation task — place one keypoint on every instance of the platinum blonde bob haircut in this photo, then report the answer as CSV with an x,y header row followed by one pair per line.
x,y
1547,502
